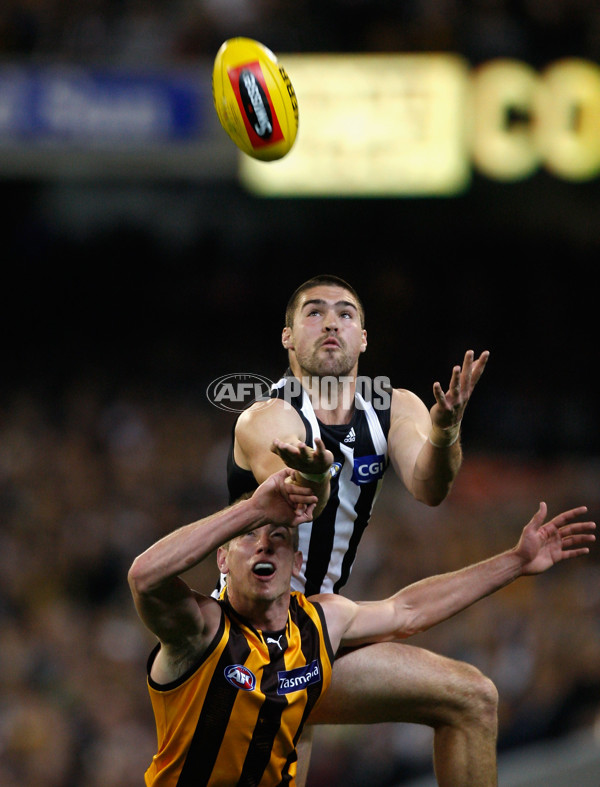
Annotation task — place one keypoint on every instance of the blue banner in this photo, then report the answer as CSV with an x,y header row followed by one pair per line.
x,y
101,107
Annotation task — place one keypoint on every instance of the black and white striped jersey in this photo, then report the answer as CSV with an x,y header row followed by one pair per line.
x,y
329,544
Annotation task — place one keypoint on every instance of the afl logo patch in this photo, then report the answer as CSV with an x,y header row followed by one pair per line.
x,y
240,677
335,469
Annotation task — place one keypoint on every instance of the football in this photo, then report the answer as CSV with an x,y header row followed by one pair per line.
x,y
254,99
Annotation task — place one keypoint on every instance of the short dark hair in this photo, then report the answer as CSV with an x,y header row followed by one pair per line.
x,y
325,279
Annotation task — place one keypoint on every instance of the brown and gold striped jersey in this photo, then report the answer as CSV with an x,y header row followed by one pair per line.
x,y
235,717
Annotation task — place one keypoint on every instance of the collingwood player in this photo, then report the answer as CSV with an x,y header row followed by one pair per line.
x,y
340,436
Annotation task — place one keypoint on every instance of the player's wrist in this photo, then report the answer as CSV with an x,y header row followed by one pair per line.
x,y
317,477
444,437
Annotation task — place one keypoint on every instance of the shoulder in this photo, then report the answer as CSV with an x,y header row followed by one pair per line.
x,y
406,404
269,419
255,432
339,613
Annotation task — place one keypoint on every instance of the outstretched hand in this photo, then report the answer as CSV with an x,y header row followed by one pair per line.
x,y
543,544
449,407
301,457
283,502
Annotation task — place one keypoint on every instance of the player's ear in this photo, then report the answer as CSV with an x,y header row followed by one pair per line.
x,y
222,555
363,345
287,339
297,564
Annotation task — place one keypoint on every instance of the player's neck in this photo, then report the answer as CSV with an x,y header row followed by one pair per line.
x,y
263,615
334,416
331,395
333,404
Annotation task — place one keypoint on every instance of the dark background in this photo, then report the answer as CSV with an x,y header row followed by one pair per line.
x,y
177,282
168,297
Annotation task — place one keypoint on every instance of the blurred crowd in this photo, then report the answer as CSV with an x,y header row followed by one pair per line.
x,y
153,32
89,479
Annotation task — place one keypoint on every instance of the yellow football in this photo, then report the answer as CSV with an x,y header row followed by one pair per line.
x,y
254,99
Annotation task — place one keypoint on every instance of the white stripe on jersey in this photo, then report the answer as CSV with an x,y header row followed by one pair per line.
x,y
379,440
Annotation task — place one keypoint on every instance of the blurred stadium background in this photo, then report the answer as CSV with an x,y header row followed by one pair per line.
x,y
140,265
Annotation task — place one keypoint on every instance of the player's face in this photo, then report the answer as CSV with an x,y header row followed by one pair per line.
x,y
326,337
260,564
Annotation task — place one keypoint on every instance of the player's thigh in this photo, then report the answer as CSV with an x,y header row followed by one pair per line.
x,y
394,682
304,751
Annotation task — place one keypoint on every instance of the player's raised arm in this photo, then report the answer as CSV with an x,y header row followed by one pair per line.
x,y
425,446
430,601
165,603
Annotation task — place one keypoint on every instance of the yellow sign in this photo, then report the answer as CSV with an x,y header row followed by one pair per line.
x,y
372,125
417,125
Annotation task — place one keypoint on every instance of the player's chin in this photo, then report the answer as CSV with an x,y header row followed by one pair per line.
x,y
335,364
271,587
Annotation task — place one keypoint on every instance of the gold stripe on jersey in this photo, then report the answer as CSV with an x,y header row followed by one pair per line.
x,y
216,733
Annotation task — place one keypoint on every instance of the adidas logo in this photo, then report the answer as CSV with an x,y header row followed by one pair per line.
x,y
350,437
